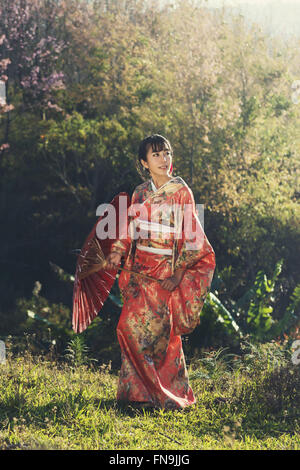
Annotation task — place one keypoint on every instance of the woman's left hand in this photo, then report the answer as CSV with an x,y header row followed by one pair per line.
x,y
172,282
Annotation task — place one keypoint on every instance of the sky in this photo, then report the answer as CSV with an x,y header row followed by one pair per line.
x,y
276,17
249,2
279,18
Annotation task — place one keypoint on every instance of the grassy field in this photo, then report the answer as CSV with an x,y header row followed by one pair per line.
x,y
246,403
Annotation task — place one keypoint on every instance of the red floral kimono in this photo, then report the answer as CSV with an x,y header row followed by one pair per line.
x,y
162,223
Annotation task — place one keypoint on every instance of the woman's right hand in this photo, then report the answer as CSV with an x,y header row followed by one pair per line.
x,y
113,260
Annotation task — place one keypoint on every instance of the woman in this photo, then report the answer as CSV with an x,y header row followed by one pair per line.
x,y
155,314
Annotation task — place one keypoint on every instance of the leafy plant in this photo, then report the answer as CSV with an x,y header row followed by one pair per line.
x,y
224,316
290,316
259,318
77,352
252,314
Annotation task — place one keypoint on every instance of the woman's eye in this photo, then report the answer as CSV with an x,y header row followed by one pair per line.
x,y
157,154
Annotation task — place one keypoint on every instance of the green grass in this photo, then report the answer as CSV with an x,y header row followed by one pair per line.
x,y
47,405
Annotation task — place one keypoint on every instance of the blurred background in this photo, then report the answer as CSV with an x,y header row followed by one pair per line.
x,y
82,82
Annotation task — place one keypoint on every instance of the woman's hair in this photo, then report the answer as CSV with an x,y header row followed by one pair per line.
x,y
158,143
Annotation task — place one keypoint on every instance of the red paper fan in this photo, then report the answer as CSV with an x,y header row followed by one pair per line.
x,y
93,283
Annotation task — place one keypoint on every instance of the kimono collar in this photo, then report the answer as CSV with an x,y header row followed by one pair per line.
x,y
153,186
164,192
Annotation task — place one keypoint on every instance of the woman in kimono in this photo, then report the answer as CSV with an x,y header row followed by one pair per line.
x,y
160,243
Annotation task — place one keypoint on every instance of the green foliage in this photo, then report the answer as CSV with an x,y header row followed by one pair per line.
x,y
260,323
46,324
259,318
224,315
227,323
77,352
223,98
290,316
210,366
243,402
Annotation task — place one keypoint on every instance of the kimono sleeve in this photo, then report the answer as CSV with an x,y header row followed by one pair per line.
x,y
197,257
122,245
193,244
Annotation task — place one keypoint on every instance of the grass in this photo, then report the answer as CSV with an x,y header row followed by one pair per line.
x,y
242,403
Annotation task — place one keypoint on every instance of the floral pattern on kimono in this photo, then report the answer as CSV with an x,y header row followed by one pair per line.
x,y
153,319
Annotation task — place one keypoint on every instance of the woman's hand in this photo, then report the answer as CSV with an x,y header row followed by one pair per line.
x,y
113,260
172,282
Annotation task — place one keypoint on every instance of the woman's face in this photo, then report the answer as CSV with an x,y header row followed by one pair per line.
x,y
158,163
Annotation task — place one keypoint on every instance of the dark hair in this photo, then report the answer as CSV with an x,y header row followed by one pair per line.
x,y
158,143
